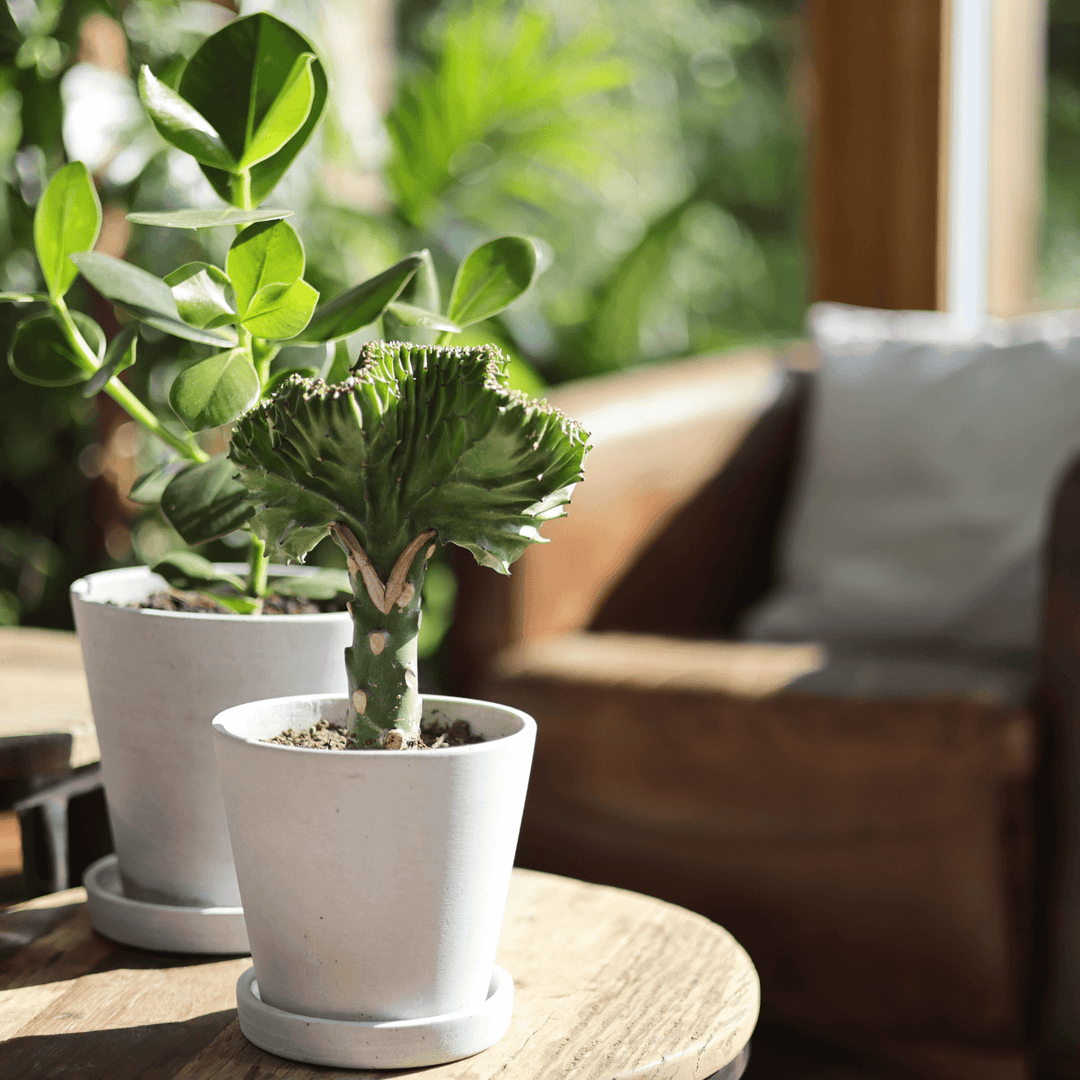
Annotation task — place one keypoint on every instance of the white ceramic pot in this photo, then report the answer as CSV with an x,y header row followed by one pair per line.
x,y
374,883
156,680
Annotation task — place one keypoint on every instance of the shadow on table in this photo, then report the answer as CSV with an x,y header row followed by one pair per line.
x,y
20,928
148,1052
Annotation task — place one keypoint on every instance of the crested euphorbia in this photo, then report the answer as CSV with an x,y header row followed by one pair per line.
x,y
422,444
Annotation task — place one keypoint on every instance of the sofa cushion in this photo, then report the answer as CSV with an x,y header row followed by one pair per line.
x,y
932,456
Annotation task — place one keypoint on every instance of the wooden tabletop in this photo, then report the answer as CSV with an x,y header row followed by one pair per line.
x,y
609,984
43,689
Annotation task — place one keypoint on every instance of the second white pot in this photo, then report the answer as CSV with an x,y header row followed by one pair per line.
x,y
156,680
373,882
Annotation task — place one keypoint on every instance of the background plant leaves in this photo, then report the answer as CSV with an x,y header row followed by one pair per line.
x,y
359,306
203,294
119,356
182,125
40,352
67,220
491,277
216,390
205,219
206,501
253,56
277,314
147,298
189,570
267,253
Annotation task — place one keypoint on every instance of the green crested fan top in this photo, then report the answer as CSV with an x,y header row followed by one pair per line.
x,y
420,437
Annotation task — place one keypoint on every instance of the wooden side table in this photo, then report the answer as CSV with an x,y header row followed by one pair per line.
x,y
609,985
43,689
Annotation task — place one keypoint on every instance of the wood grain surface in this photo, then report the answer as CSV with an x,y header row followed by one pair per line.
x,y
608,984
43,689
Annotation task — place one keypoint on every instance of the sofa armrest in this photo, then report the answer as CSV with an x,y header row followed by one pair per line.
x,y
1057,699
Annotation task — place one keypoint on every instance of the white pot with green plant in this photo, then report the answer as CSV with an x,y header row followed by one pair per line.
x,y
243,106
374,876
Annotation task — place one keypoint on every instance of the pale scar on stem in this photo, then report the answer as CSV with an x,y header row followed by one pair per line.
x,y
383,596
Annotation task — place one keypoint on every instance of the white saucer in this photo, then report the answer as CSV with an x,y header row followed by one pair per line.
x,y
162,927
378,1044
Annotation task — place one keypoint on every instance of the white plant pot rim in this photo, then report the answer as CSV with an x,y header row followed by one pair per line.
x,y
375,1044
81,588
388,756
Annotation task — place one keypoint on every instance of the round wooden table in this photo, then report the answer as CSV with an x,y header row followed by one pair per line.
x,y
609,984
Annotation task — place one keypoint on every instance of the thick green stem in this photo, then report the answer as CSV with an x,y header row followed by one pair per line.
x,y
381,663
121,394
258,566
241,189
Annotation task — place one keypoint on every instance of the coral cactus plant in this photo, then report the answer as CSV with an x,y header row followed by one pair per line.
x,y
421,444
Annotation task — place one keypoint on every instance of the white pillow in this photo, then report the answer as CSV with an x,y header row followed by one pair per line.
x,y
932,458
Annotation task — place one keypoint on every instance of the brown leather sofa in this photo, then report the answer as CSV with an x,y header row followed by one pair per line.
x,y
890,851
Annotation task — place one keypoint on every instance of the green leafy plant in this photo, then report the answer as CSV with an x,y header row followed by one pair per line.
x,y
421,444
243,106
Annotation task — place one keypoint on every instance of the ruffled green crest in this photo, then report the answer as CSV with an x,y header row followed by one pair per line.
x,y
420,437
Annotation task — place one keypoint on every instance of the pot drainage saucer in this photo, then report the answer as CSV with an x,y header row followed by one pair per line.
x,y
163,927
376,1044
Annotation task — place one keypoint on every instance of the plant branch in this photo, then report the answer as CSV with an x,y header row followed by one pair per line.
x,y
120,393
258,567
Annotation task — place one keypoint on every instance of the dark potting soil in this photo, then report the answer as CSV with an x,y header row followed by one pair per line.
x,y
434,735
177,600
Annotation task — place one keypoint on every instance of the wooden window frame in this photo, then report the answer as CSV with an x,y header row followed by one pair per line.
x,y
878,207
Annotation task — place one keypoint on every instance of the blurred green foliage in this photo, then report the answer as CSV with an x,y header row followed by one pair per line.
x,y
1060,265
651,144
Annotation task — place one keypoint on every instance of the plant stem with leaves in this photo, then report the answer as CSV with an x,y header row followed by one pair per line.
x,y
243,107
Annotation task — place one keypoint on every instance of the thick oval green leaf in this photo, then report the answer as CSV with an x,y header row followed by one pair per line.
x,y
40,353
360,306
234,78
205,219
277,315
422,289
145,296
67,220
492,277
279,377
189,570
149,487
181,124
206,501
267,253
285,116
324,584
203,294
408,315
119,356
216,390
